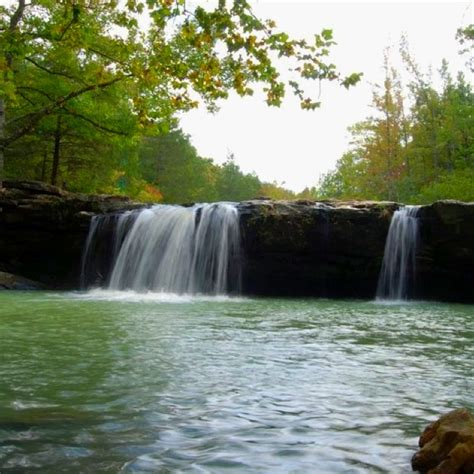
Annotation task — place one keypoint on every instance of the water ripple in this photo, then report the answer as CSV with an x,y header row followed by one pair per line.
x,y
121,383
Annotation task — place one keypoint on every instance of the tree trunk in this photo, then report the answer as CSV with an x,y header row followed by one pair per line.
x,y
388,139
2,133
14,21
56,151
434,139
405,142
43,167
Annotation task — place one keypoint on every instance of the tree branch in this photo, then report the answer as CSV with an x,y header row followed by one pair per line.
x,y
35,117
94,123
89,88
18,15
104,55
50,71
26,98
34,89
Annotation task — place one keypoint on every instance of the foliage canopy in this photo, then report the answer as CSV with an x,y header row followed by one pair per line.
x,y
83,78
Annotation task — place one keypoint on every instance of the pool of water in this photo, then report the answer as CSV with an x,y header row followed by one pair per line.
x,y
121,382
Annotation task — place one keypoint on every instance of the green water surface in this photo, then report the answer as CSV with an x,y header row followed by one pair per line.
x,y
119,382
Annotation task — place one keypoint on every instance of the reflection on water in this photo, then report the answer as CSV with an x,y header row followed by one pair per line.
x,y
124,382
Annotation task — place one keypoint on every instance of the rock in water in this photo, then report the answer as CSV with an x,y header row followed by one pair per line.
x,y
8,281
447,445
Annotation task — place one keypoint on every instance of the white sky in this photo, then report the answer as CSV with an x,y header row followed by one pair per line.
x,y
295,147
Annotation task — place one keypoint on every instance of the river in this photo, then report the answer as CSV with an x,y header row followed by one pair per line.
x,y
122,382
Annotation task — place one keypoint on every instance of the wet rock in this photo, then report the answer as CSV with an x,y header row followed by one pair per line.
x,y
447,445
335,248
307,248
8,281
34,187
43,230
445,257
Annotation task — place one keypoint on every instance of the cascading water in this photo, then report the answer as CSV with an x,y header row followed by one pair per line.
x,y
106,234
170,249
398,266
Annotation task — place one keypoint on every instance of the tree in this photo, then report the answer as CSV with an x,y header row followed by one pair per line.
x,y
82,50
171,163
233,185
385,135
418,156
275,190
377,160
347,181
465,36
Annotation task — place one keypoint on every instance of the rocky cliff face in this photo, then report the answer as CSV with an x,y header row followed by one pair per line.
x,y
335,249
302,248
445,259
43,230
307,248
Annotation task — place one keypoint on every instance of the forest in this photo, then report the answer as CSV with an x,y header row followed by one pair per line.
x,y
418,146
90,91
90,99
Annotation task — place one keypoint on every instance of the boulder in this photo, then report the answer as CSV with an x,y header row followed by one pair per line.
x,y
35,187
447,445
8,281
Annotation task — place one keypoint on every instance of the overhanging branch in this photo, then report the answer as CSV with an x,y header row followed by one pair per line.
x,y
34,117
94,123
50,71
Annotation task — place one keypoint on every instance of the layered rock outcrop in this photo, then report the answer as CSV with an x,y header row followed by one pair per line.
x,y
301,248
319,249
445,258
43,230
335,249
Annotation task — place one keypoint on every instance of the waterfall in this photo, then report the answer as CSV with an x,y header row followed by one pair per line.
x,y
106,234
167,248
398,266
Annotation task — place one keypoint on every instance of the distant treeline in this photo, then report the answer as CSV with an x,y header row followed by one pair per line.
x,y
418,146
161,168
